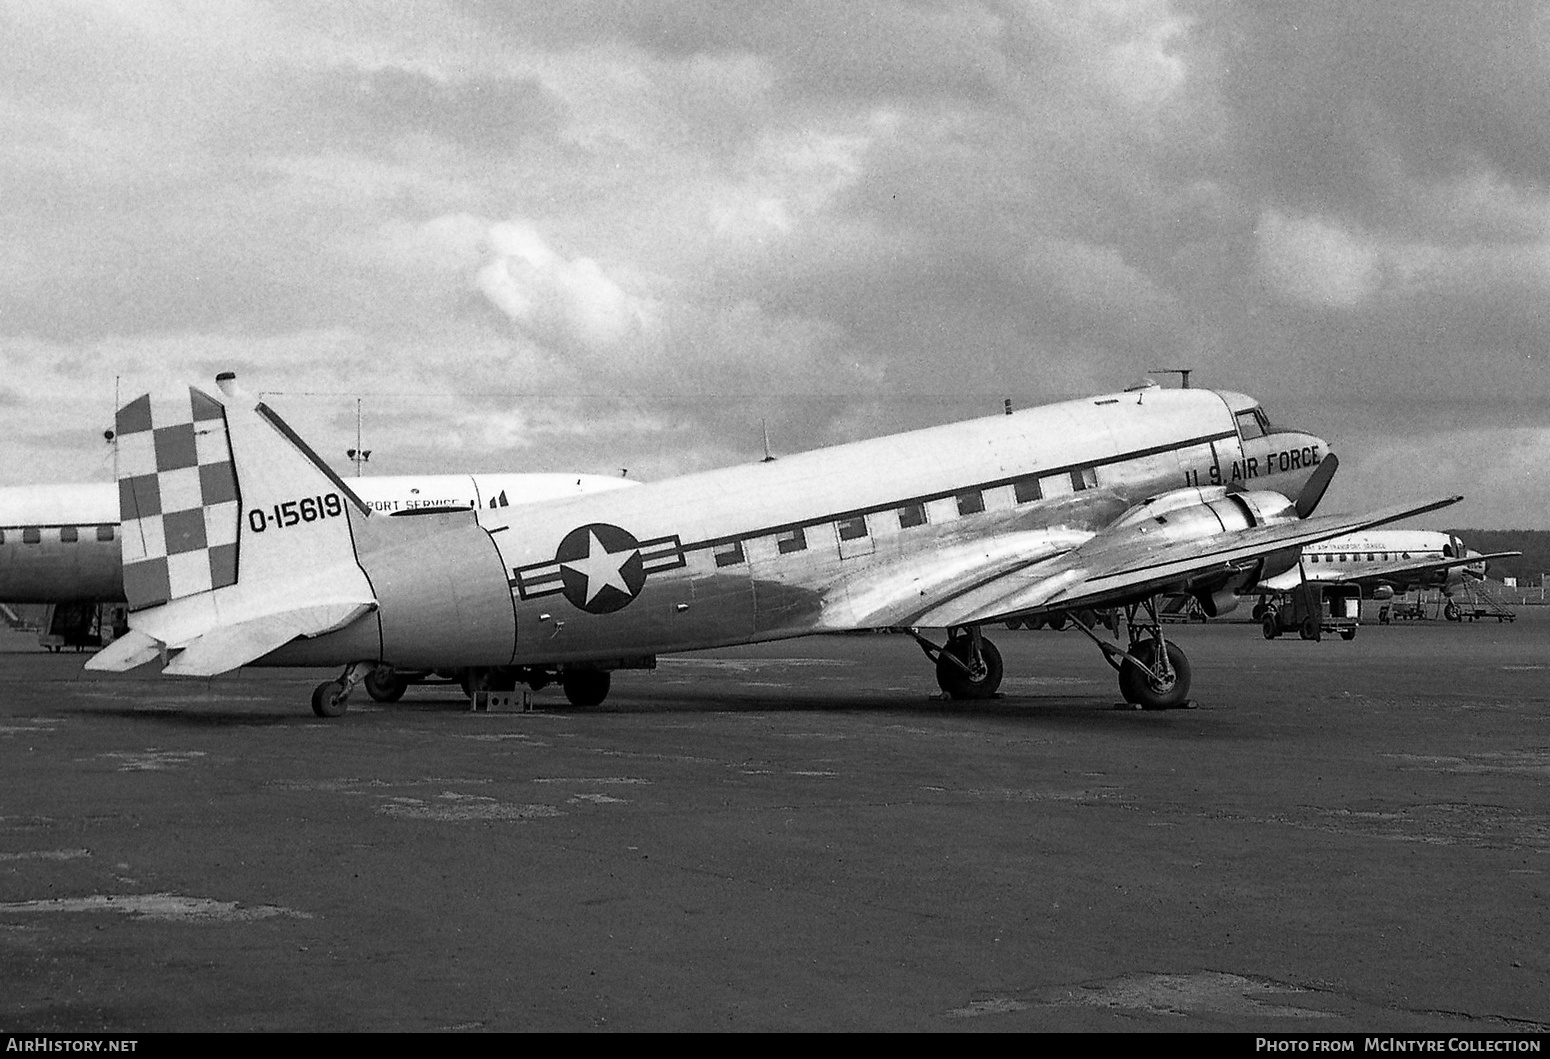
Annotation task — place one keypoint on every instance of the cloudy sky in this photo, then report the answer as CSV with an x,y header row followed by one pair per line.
x,y
597,235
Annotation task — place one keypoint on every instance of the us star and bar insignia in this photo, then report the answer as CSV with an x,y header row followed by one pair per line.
x,y
598,567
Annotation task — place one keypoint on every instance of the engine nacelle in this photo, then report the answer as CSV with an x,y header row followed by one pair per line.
x,y
1200,514
1191,514
1223,601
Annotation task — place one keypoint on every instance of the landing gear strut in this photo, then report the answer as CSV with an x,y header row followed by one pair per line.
x,y
1154,673
968,667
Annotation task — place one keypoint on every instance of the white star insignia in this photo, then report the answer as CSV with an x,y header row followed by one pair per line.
x,y
602,568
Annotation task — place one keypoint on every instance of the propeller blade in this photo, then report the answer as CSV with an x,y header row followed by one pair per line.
x,y
1313,492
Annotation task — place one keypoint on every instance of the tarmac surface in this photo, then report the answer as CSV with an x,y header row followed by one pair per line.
x,y
799,836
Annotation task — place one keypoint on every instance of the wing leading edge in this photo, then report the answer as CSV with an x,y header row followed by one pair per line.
x,y
1111,568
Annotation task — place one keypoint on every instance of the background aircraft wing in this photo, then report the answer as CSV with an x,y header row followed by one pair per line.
x,y
1113,568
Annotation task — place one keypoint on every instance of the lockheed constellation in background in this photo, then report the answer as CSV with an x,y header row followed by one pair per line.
x,y
241,547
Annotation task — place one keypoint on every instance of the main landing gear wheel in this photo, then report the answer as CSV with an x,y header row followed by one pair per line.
x,y
586,687
330,699
384,685
978,682
1165,687
1451,612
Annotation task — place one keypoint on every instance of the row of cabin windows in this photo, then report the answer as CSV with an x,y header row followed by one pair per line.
x,y
1025,490
1356,557
67,534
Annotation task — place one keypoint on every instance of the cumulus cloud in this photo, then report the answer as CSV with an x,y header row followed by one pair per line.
x,y
538,236
565,303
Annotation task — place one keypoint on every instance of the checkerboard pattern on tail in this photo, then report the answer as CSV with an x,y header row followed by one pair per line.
x,y
178,498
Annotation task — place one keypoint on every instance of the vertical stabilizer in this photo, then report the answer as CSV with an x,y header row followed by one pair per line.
x,y
236,538
178,500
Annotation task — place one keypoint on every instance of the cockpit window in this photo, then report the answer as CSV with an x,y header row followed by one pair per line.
x,y
1252,424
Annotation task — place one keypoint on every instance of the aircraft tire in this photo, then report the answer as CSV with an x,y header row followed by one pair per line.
x,y
1269,626
1058,620
586,687
329,700
1141,690
1451,612
384,685
957,683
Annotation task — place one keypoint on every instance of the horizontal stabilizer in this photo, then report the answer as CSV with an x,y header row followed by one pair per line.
x,y
228,647
129,651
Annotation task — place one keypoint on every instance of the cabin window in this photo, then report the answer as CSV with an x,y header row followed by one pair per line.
x,y
104,533
1370,557
730,553
1083,478
32,535
852,528
971,502
69,534
1026,490
912,515
791,541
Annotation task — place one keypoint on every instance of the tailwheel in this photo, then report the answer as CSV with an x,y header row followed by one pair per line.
x,y
1163,684
586,687
330,699
385,685
962,675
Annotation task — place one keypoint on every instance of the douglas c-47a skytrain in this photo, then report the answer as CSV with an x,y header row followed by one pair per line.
x,y
240,547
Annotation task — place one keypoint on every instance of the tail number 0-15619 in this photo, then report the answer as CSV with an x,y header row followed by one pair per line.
x,y
294,512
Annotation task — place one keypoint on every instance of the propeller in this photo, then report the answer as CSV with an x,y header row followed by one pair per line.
x,y
1313,491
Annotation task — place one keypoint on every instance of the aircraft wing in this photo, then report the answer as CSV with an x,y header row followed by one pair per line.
x,y
1110,569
